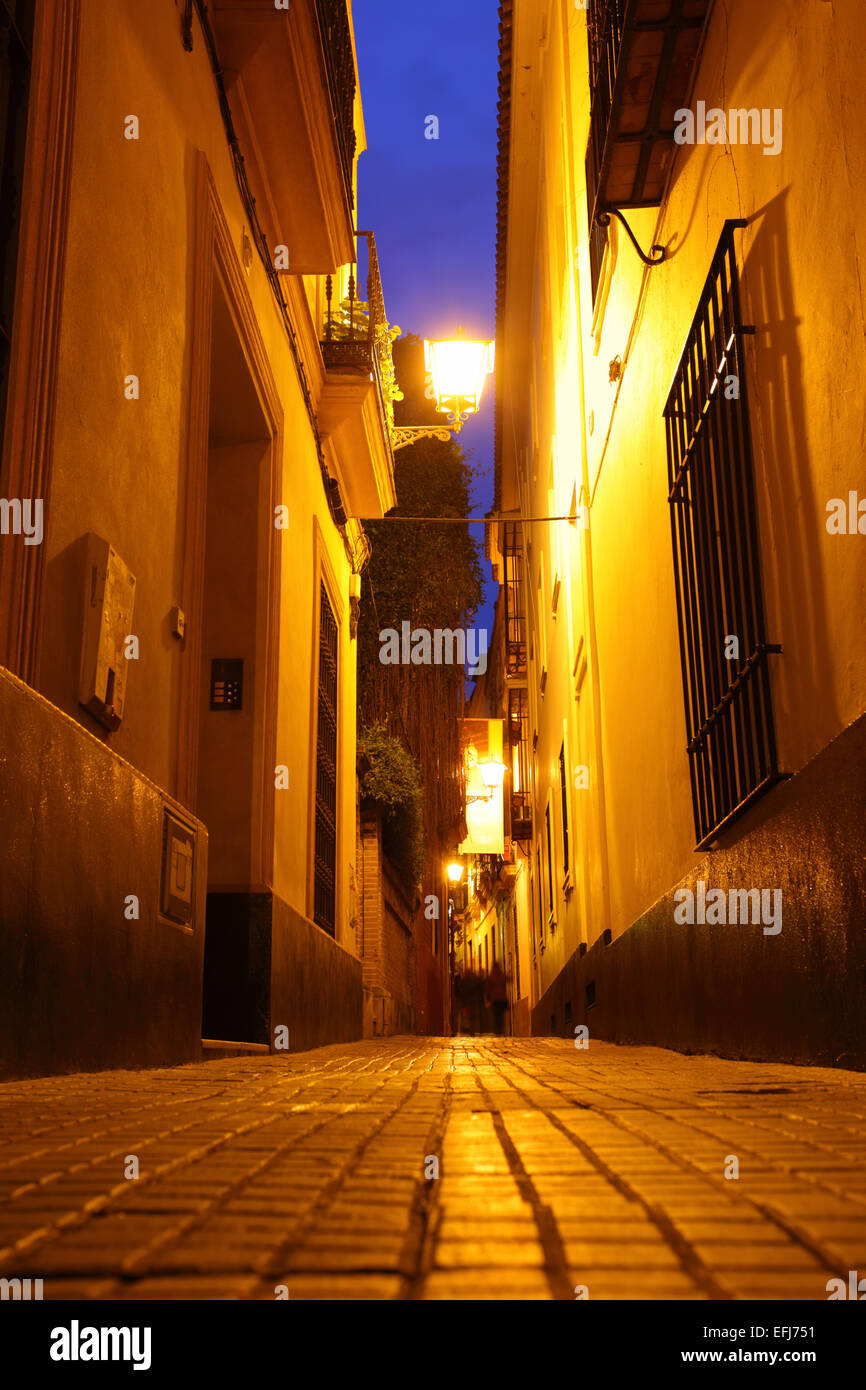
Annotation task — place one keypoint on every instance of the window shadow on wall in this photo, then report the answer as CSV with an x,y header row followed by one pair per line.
x,y
790,511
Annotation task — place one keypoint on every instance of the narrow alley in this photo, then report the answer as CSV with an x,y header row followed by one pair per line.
x,y
401,1168
432,678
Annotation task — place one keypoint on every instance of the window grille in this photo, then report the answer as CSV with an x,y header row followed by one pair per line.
x,y
16,38
550,898
604,29
518,735
714,526
563,794
540,883
515,613
325,876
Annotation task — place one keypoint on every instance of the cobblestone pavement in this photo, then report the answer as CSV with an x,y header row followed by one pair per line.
x,y
557,1168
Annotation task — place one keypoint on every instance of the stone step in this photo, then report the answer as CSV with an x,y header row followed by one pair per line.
x,y
211,1048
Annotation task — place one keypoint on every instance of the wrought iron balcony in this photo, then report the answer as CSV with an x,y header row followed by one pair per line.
x,y
515,618
356,335
339,62
641,57
289,76
356,405
518,739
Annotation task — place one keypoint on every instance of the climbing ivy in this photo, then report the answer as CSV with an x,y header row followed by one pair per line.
x,y
429,575
392,783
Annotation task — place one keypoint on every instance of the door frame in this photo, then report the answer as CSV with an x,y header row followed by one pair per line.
x,y
28,436
215,256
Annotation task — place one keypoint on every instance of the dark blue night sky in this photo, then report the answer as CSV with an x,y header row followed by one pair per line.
x,y
432,203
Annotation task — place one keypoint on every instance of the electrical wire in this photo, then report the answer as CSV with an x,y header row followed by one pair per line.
x,y
477,520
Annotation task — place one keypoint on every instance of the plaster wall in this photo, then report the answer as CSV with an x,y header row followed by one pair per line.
x,y
610,646
120,465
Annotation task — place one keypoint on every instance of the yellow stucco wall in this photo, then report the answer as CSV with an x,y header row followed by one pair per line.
x,y
120,465
565,425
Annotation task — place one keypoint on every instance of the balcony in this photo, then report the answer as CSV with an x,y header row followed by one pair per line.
x,y
515,617
641,57
290,77
356,407
518,738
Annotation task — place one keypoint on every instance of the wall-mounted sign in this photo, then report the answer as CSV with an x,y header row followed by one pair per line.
x,y
481,741
178,869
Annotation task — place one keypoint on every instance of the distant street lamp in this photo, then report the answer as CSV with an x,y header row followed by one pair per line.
x,y
492,774
459,367
455,872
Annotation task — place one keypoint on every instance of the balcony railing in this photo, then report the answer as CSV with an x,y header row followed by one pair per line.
x,y
518,738
515,619
356,335
336,37
605,23
641,57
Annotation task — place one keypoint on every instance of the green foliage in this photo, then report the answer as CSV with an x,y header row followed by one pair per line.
x,y
393,783
428,574
350,322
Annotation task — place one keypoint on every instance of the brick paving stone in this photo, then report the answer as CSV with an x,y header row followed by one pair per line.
x,y
801,1285
206,1289
629,1284
482,1285
489,1254
326,1287
767,1257
614,1254
737,1232
557,1168
58,1289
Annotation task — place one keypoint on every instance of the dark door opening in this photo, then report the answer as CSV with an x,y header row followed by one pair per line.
x,y
230,793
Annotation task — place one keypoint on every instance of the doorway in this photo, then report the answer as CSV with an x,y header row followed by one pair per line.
x,y
232,789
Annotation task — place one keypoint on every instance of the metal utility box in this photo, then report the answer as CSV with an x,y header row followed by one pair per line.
x,y
109,596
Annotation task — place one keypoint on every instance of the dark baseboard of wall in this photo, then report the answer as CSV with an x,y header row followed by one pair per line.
x,y
89,979
316,989
798,996
267,967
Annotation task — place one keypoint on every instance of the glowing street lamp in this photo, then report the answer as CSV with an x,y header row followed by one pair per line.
x,y
455,872
459,367
492,774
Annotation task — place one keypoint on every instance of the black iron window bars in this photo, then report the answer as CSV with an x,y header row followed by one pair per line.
x,y
325,871
515,617
605,24
714,526
518,737
339,62
16,37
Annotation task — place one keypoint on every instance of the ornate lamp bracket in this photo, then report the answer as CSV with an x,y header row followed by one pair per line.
x,y
657,253
401,435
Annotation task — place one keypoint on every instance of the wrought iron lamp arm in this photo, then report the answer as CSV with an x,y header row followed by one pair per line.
x,y
401,435
603,220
